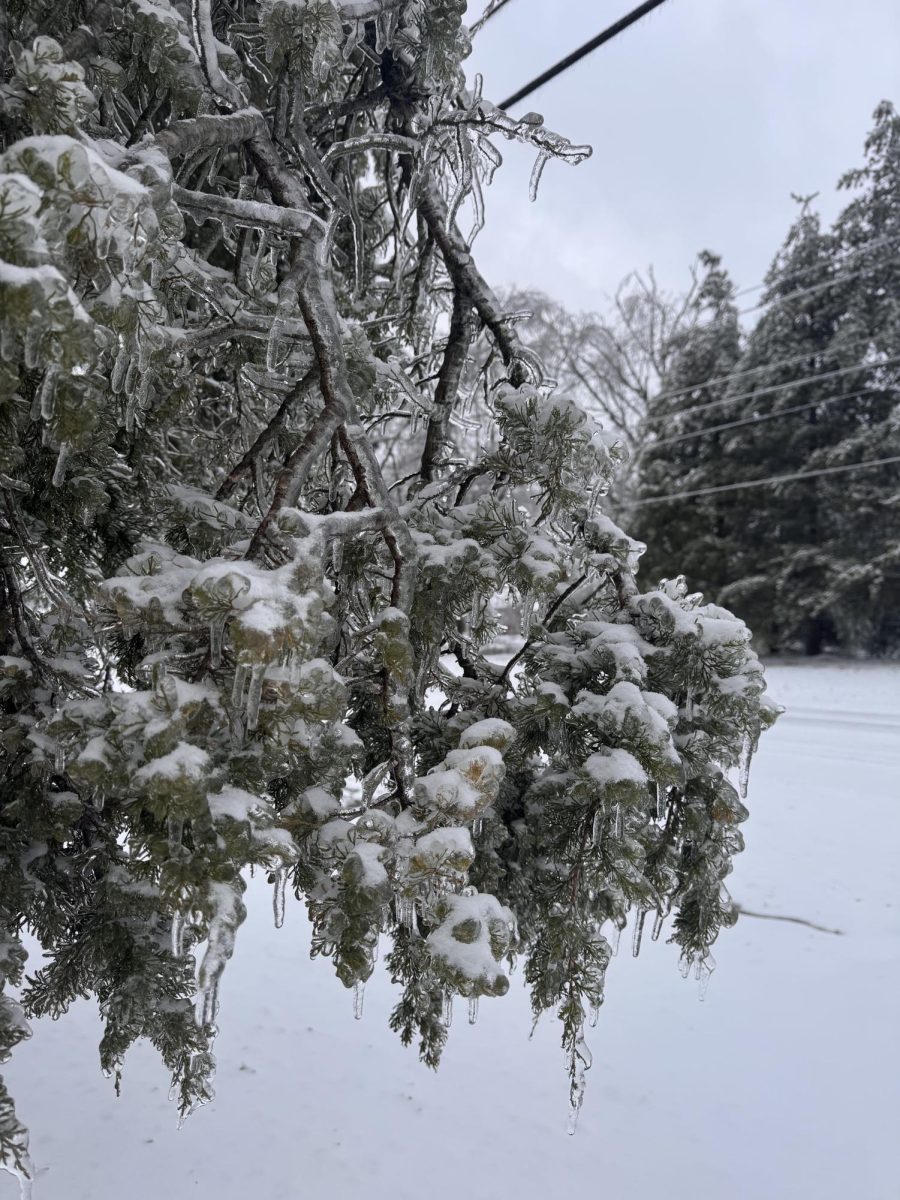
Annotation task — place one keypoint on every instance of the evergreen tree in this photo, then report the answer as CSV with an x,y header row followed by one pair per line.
x,y
778,532
233,633
862,597
809,562
679,455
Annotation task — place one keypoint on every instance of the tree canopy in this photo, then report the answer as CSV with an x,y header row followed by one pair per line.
x,y
252,548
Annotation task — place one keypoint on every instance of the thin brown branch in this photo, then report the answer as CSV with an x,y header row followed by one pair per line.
x,y
447,390
267,435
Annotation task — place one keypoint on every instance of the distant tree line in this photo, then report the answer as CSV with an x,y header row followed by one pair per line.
x,y
716,388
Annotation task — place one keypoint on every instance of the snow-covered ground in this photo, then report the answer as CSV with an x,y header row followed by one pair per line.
x,y
783,1085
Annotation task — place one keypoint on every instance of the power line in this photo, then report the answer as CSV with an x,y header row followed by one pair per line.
x,y
491,10
563,65
777,301
885,241
792,383
767,366
757,419
771,479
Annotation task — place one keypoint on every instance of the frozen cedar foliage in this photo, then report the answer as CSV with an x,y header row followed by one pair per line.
x,y
272,453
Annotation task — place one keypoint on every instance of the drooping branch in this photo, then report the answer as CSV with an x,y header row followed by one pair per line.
x,y
469,282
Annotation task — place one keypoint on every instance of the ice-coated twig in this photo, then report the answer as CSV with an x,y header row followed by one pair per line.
x,y
748,912
205,42
250,214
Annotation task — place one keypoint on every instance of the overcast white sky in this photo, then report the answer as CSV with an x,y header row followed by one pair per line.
x,y
704,117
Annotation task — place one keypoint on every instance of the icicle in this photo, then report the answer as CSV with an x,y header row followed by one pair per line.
x,y
32,346
273,346
216,638
375,948
597,828
473,1009
178,934
241,673
703,974
59,471
744,765
477,826
661,802
175,832
359,991
658,922
102,242
616,938
278,896
406,913
219,948
254,694
527,615
119,370
579,1063
447,1008
131,376
620,821
689,705
46,393
638,934
537,171
594,1016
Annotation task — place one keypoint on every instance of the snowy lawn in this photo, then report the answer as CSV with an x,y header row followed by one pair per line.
x,y
783,1085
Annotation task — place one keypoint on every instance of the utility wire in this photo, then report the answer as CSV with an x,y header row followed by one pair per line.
x,y
874,244
770,479
758,419
563,65
777,301
767,366
792,383
491,10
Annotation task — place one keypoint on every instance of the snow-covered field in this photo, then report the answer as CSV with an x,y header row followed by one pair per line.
x,y
783,1085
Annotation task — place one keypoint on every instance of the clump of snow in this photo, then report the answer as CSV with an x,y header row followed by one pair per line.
x,y
491,732
186,761
615,766
473,935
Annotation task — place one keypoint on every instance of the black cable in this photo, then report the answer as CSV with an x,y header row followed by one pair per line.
x,y
606,36
490,11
